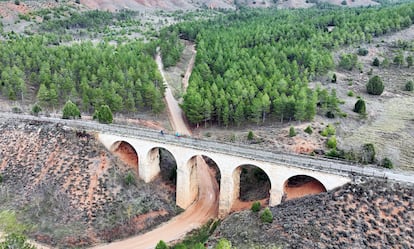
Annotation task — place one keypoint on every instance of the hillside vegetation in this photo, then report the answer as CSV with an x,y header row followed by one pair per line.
x,y
255,64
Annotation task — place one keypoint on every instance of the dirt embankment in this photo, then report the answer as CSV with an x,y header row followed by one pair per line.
x,y
373,214
73,190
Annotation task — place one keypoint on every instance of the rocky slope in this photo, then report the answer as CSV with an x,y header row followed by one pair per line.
x,y
73,191
369,215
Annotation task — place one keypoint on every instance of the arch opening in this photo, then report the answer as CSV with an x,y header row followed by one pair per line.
x,y
301,185
204,177
251,184
127,154
163,159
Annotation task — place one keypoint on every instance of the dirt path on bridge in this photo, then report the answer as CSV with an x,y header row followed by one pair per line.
x,y
175,113
203,209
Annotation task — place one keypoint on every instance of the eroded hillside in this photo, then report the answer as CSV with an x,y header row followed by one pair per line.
x,y
72,189
369,215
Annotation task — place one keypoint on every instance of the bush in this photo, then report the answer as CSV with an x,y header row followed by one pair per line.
x,y
333,153
16,109
17,2
362,51
256,206
292,131
129,179
36,109
223,244
308,130
266,216
250,135
348,61
328,131
360,106
161,245
333,80
1,178
15,240
376,62
375,86
103,114
350,94
409,60
387,163
368,153
70,110
409,86
331,143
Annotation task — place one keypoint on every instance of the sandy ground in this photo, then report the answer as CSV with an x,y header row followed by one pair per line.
x,y
205,208
175,113
308,188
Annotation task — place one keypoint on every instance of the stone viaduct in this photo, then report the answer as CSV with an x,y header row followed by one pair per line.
x,y
228,164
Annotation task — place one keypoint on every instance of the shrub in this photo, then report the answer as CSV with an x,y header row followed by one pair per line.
x,y
70,110
362,51
250,135
409,60
333,80
375,86
409,86
344,2
129,179
103,114
331,143
328,131
292,131
387,163
161,245
223,244
17,2
348,61
376,62
36,109
1,178
180,246
368,153
350,93
333,153
255,206
266,216
16,109
360,106
309,130
15,240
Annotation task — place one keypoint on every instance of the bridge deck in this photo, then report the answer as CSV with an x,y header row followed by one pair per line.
x,y
295,160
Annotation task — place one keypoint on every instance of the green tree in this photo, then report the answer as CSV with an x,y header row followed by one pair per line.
x,y
103,114
360,106
399,59
70,111
43,95
292,131
409,86
256,206
161,245
266,216
387,163
309,130
376,62
331,143
36,109
375,86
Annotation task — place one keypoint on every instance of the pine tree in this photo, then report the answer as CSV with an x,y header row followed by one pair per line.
x,y
70,110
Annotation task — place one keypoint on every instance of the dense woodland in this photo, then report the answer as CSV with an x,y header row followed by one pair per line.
x,y
257,63
124,77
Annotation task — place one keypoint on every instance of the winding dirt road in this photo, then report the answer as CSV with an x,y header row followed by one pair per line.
x,y
202,210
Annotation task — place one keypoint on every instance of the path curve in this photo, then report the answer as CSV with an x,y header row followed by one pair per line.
x,y
202,210
175,113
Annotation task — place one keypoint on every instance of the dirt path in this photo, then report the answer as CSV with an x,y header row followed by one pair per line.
x,y
175,113
203,209
189,68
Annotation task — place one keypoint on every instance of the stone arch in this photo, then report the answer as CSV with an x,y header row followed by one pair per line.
x,y
163,163
127,154
190,178
251,183
301,185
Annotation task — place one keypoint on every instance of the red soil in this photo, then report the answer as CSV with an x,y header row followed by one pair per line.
x,y
127,154
239,205
308,188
